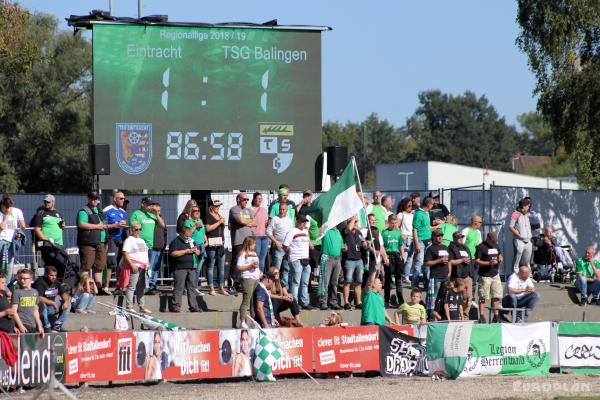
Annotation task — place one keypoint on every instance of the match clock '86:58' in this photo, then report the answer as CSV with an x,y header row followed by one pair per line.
x,y
186,146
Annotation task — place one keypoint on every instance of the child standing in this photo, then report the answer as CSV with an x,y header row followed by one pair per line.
x,y
453,301
412,312
25,302
248,266
392,242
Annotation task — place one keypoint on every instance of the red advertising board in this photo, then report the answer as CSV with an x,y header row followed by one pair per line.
x,y
99,356
296,344
352,348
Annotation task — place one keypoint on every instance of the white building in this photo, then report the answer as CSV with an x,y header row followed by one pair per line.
x,y
431,175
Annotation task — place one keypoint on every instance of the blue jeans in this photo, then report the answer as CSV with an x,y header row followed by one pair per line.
x,y
353,271
213,258
418,271
48,311
299,274
528,300
7,256
262,247
410,252
155,257
201,259
277,257
85,301
583,285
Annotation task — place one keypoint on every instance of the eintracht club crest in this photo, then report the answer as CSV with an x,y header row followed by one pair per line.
x,y
134,147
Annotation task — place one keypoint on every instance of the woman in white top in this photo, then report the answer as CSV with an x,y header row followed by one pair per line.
x,y
248,266
135,254
405,216
11,219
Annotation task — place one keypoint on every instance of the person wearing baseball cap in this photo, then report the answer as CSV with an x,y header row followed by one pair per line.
x,y
488,258
263,305
48,225
437,259
460,264
92,239
282,197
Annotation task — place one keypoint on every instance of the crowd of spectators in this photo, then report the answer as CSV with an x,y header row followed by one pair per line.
x,y
278,259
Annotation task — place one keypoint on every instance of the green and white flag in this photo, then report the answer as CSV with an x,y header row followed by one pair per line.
x,y
266,353
339,203
493,349
447,347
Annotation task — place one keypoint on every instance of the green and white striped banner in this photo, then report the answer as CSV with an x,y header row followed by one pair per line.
x,y
492,349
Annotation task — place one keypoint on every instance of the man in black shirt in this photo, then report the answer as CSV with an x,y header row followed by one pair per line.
x,y
488,257
354,244
460,262
438,212
54,300
184,255
437,259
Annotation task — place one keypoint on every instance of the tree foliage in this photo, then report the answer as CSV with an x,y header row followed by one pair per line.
x,y
562,41
45,115
461,129
371,142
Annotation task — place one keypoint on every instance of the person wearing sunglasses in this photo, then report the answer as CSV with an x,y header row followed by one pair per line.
x,y
115,216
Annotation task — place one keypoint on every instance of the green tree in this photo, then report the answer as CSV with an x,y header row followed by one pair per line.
x,y
536,138
562,41
45,118
460,129
371,142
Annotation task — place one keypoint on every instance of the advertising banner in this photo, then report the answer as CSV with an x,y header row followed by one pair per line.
x,y
36,356
100,357
401,354
296,344
352,348
579,347
178,355
508,349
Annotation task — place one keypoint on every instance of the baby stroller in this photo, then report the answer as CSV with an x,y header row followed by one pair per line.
x,y
552,262
56,256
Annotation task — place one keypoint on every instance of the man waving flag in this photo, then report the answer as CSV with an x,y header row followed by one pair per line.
x,y
339,203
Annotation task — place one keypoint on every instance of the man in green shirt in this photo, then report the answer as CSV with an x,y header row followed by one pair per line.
x,y
392,242
91,239
282,198
378,211
147,220
148,216
421,240
588,281
373,310
331,268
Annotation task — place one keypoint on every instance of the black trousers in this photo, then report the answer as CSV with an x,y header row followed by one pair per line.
x,y
280,306
394,267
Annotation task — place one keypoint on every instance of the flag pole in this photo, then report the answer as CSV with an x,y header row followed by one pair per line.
x,y
369,234
282,351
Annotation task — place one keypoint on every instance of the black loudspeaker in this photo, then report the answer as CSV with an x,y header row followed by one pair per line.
x,y
337,159
100,158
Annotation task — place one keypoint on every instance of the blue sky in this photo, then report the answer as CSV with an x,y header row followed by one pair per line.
x,y
381,53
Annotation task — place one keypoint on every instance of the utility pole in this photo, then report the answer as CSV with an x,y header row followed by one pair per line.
x,y
140,7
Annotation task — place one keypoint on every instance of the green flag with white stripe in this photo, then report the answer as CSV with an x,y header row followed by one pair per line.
x,y
339,203
493,349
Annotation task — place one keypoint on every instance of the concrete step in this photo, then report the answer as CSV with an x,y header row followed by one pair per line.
x,y
556,304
